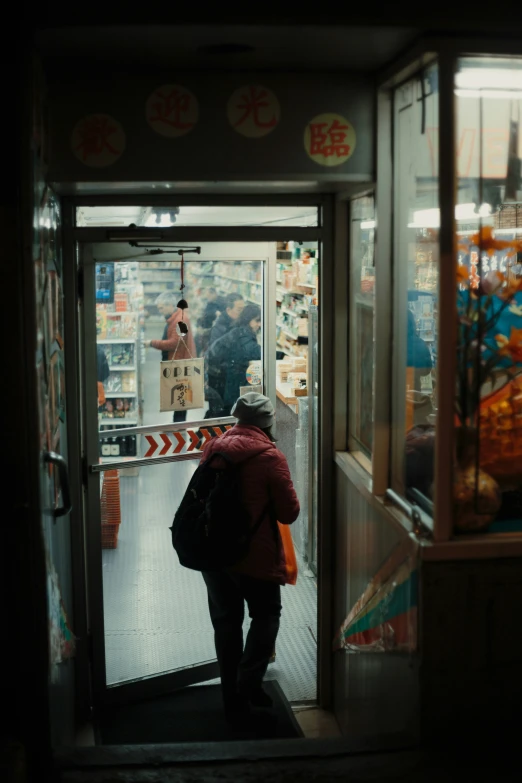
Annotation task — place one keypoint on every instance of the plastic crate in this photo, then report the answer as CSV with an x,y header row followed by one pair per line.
x,y
109,538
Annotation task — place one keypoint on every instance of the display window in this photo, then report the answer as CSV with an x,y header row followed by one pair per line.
x,y
415,287
488,398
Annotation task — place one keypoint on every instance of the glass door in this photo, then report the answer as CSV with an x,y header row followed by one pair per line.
x,y
149,619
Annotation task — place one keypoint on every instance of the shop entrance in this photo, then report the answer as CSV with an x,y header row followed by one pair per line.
x,y
148,616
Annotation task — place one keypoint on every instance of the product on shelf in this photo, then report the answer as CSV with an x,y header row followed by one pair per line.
x,y
101,322
128,382
122,355
114,383
118,408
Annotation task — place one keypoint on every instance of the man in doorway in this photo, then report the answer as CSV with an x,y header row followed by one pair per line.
x,y
173,345
215,377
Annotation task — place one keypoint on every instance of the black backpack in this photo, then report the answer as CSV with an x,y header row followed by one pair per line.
x,y
212,529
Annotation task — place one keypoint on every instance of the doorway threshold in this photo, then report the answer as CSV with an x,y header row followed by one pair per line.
x,y
165,755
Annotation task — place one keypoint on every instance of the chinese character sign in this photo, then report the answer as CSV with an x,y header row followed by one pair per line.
x,y
253,111
329,139
172,110
98,140
182,385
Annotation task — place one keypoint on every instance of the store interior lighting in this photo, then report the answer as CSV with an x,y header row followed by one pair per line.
x,y
163,218
367,224
489,79
430,218
496,83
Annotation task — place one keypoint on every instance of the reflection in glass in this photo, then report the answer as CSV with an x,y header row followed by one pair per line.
x,y
362,306
416,273
489,302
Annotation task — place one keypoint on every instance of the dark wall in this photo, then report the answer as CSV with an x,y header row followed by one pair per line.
x,y
212,150
375,693
471,679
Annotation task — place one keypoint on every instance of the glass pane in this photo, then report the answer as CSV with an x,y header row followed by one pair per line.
x,y
137,327
164,217
155,612
416,258
362,306
488,494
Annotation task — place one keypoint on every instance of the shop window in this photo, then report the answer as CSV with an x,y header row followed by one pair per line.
x,y
415,294
362,308
488,403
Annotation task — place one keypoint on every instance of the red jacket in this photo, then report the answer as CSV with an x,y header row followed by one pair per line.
x,y
187,348
265,478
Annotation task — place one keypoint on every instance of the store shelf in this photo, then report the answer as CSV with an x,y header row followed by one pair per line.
x,y
286,291
307,285
301,314
116,340
124,422
285,331
120,394
122,368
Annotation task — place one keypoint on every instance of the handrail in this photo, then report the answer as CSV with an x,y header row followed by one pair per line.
x,y
168,427
143,461
420,527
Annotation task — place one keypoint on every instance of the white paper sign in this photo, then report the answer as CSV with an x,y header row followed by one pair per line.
x,y
182,385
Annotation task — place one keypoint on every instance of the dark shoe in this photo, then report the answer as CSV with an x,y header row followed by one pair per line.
x,y
257,697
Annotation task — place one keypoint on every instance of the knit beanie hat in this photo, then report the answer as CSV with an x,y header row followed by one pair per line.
x,y
255,409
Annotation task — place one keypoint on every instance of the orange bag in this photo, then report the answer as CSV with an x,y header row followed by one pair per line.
x,y
290,558
101,394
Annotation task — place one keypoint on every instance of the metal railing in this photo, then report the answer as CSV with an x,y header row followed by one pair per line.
x,y
132,462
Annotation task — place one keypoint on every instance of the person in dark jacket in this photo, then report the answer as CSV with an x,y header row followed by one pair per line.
x,y
230,356
234,304
268,496
215,378
215,306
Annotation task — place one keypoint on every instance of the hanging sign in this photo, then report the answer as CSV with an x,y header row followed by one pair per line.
x,y
182,385
329,139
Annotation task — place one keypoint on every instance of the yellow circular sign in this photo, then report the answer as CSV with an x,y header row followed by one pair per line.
x,y
172,110
98,140
253,111
329,139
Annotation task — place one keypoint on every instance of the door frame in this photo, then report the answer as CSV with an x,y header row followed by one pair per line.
x,y
323,233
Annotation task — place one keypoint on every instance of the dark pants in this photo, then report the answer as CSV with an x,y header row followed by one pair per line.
x,y
242,668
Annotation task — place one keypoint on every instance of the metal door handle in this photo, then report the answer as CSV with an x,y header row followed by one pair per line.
x,y
419,528
56,459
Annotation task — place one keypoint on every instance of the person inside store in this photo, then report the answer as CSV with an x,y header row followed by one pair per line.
x,y
234,304
230,356
173,345
214,306
214,375
269,497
